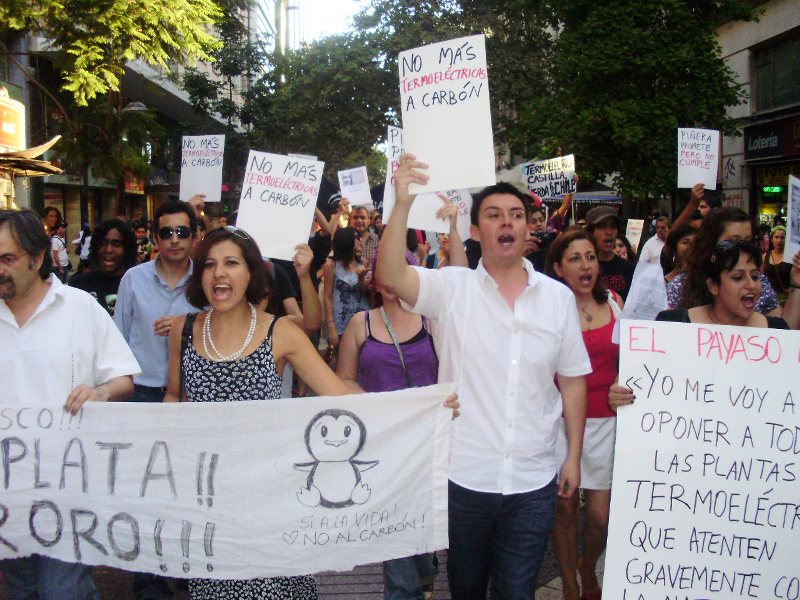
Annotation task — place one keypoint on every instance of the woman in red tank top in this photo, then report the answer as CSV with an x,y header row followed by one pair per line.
x,y
573,260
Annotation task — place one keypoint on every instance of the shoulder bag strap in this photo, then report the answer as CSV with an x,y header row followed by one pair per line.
x,y
186,336
396,345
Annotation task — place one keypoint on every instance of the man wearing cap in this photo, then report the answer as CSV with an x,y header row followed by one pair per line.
x,y
58,246
617,273
151,295
57,344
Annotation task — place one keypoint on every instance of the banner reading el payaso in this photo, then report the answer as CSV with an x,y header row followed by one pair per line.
x,y
706,497
228,490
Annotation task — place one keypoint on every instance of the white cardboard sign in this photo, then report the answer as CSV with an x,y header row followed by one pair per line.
x,y
228,490
633,231
551,178
793,223
279,194
706,497
201,166
447,121
354,185
698,157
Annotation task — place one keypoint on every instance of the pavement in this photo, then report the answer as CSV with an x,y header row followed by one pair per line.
x,y
363,583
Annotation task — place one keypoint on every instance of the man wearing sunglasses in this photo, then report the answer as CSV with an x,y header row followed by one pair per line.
x,y
150,296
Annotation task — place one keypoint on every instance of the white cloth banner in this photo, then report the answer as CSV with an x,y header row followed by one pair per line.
x,y
201,166
447,120
698,157
793,224
279,195
551,178
228,490
706,498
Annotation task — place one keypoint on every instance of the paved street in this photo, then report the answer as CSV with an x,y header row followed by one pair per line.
x,y
364,582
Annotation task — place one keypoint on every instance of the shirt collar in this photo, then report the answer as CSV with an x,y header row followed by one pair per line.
x,y
533,276
55,290
163,283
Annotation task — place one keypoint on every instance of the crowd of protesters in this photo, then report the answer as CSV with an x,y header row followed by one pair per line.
x,y
520,316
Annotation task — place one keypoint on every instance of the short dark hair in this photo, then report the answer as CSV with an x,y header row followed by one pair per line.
x,y
128,240
556,254
262,283
26,227
172,207
498,188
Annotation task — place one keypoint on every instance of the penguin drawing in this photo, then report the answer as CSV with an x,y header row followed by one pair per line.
x,y
334,438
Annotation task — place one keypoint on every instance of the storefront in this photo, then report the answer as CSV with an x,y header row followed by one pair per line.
x,y
772,153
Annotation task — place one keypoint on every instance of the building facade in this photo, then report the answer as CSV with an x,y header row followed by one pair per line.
x,y
765,56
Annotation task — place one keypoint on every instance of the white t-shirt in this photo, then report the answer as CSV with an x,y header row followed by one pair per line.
x,y
504,362
651,252
69,340
60,246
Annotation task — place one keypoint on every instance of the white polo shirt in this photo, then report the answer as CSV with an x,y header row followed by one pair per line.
x,y
504,362
69,340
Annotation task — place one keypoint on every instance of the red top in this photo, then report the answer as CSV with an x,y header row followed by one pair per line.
x,y
604,355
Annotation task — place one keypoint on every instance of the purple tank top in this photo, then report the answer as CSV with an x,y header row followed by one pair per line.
x,y
379,368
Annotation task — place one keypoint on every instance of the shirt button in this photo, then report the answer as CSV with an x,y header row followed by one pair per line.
x,y
511,393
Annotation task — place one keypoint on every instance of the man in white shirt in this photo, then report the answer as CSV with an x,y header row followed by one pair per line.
x,y
651,251
57,344
503,333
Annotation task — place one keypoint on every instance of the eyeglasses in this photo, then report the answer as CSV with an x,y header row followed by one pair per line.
x,y
182,231
9,259
240,233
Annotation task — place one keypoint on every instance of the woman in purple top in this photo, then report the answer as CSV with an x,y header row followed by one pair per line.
x,y
382,350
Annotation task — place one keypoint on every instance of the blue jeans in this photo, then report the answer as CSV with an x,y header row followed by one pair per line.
x,y
498,537
403,578
42,578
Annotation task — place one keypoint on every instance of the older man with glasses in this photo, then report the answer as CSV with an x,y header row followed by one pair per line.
x,y
150,296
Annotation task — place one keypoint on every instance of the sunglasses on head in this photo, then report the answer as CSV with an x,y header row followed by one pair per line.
x,y
240,233
182,231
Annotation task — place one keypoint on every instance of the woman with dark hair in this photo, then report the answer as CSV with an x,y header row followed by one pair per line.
x,y
732,286
777,271
344,293
112,251
623,248
573,260
52,216
235,352
688,289
673,256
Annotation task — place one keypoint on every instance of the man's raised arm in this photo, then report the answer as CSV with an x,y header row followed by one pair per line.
x,y
393,272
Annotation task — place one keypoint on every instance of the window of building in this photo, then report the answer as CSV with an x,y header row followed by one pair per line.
x,y
777,73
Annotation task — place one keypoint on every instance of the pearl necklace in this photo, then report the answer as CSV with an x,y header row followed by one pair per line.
x,y
207,336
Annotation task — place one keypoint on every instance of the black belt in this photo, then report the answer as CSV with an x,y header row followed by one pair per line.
x,y
149,389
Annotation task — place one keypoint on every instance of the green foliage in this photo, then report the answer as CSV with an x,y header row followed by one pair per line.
x,y
96,38
627,74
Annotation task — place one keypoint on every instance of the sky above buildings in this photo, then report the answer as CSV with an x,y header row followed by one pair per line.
x,y
327,17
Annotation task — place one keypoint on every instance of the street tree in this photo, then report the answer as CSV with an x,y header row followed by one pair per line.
x,y
626,74
94,39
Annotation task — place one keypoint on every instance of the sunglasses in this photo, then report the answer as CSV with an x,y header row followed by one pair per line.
x,y
240,233
182,231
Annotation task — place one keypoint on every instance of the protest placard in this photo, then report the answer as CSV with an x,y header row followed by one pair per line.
x,y
551,178
698,157
705,498
354,185
447,122
279,194
423,211
633,231
793,225
201,166
228,490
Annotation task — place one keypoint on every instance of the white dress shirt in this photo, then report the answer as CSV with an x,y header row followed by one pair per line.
x,y
651,251
504,361
69,340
